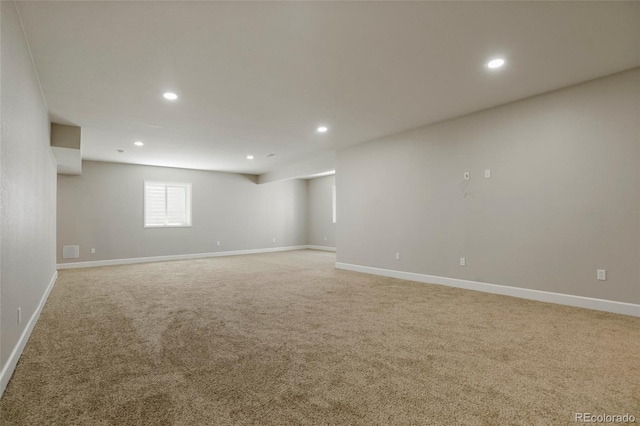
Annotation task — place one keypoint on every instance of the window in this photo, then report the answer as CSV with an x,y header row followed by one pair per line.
x,y
167,204
333,202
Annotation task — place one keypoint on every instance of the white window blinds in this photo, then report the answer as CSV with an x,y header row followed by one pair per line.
x,y
167,204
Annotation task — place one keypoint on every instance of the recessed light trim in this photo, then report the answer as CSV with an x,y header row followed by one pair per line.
x,y
138,143
496,63
249,157
170,96
322,129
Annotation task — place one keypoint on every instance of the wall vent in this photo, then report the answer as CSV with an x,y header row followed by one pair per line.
x,y
70,252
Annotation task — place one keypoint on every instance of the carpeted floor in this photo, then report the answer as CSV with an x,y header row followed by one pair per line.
x,y
284,338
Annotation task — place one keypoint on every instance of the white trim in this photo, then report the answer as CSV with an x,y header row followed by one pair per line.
x,y
325,248
110,262
523,293
12,361
321,174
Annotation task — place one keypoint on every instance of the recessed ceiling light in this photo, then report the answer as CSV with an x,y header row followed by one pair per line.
x,y
138,143
121,151
322,129
170,96
495,63
249,157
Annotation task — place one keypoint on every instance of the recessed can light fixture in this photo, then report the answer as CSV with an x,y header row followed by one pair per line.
x,y
138,143
249,157
322,129
495,63
170,96
121,151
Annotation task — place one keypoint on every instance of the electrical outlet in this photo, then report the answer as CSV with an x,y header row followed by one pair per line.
x,y
274,240
217,242
397,256
19,315
463,261
93,251
467,176
487,173
601,274
325,238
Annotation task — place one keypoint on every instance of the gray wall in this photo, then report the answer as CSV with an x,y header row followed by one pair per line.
x,y
563,198
64,136
321,229
103,209
28,186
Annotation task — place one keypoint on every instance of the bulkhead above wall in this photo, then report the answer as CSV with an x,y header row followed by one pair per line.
x,y
65,144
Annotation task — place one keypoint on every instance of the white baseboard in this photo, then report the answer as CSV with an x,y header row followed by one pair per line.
x,y
12,361
523,293
109,262
325,248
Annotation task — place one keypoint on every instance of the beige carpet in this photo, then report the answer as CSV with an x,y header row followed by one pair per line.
x,y
284,338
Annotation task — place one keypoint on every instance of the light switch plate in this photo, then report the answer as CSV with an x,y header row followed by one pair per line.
x,y
601,274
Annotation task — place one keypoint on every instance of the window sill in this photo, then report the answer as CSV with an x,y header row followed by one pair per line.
x,y
168,226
